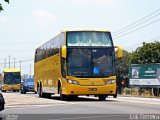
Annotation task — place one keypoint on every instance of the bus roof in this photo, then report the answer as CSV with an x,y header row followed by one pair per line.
x,y
11,70
96,30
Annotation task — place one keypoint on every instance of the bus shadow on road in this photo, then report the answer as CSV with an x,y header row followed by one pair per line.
x,y
83,99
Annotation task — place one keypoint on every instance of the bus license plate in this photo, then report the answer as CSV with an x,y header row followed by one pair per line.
x,y
92,89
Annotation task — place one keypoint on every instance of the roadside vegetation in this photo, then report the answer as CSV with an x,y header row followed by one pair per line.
x,y
1,7
147,53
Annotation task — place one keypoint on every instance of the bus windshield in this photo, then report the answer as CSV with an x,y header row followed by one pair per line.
x,y
29,80
89,38
12,78
90,62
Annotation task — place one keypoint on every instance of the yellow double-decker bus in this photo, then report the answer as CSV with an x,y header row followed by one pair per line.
x,y
77,62
11,79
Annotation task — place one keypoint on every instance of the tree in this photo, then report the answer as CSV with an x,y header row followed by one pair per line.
x,y
148,53
122,69
1,8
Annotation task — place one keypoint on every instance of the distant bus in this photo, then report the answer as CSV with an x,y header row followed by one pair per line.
x,y
11,79
77,62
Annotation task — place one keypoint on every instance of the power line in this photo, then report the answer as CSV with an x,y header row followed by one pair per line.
x,y
16,50
19,61
136,21
25,60
11,43
135,25
154,39
136,29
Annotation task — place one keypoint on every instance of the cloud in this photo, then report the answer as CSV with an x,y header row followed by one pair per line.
x,y
4,19
43,18
95,2
51,1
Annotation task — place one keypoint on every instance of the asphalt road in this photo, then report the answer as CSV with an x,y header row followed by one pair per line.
x,y
84,108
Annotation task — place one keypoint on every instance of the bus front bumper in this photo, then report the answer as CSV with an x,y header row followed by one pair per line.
x,y
12,87
109,89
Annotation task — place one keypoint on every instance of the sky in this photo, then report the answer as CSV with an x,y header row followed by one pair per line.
x,y
27,24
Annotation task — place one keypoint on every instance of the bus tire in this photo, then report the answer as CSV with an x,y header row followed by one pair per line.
x,y
22,92
43,95
73,97
115,96
40,92
47,95
62,96
3,90
102,97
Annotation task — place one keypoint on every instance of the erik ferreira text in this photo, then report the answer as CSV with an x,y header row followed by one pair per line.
x,y
144,117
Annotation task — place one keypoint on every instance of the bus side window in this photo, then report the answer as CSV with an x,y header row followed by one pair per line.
x,y
63,67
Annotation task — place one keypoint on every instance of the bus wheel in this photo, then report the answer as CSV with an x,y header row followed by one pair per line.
x,y
102,97
47,95
3,90
24,92
73,97
62,96
21,91
40,92
115,96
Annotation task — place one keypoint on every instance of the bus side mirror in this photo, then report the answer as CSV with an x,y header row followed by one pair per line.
x,y
64,51
119,51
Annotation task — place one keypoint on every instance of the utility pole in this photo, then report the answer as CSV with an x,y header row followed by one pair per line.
x,y
5,63
20,64
14,62
30,70
9,60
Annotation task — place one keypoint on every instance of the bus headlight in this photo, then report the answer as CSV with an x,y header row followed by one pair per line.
x,y
73,82
110,81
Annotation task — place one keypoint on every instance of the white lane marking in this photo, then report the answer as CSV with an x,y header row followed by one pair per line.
x,y
140,100
31,106
132,99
